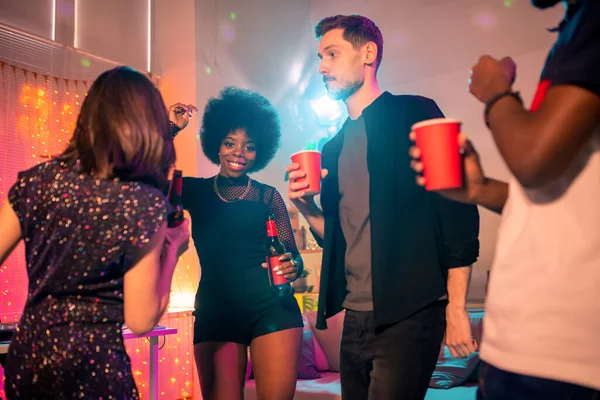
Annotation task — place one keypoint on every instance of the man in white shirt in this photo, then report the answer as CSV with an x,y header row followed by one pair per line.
x,y
542,325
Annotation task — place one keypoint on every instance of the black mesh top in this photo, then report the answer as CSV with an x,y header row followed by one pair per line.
x,y
231,189
230,236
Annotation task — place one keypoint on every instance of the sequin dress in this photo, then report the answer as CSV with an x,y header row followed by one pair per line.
x,y
234,302
80,236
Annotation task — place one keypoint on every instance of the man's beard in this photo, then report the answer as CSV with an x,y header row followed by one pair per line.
x,y
345,92
544,3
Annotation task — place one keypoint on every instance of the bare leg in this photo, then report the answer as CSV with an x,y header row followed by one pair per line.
x,y
275,363
221,369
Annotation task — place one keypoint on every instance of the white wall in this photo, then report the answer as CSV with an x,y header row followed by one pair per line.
x,y
32,16
114,29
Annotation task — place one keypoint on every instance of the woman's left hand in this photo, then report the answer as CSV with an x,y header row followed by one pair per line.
x,y
288,267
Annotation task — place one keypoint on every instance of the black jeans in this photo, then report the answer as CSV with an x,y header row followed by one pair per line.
x,y
497,384
393,362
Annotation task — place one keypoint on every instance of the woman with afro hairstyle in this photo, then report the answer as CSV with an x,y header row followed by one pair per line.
x,y
235,306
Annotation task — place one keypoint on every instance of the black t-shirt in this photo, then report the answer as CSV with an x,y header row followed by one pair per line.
x,y
575,57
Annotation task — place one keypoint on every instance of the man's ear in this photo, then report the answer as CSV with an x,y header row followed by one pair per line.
x,y
370,53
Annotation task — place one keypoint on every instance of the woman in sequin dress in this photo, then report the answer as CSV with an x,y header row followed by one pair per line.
x,y
235,307
93,223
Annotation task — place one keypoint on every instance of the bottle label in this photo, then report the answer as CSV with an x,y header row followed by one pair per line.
x,y
178,183
271,229
277,279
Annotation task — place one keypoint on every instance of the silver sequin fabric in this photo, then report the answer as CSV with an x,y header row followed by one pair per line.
x,y
81,235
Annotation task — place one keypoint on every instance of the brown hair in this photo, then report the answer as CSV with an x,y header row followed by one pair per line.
x,y
123,130
358,30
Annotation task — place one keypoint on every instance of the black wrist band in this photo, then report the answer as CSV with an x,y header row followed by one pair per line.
x,y
495,99
174,129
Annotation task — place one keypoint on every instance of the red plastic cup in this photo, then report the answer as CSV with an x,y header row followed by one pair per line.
x,y
310,162
440,154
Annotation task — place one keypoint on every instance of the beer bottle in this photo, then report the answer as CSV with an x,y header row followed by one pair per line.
x,y
175,218
275,249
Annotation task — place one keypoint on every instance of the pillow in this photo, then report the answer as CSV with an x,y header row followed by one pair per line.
x,y
249,374
330,338
307,365
451,371
320,359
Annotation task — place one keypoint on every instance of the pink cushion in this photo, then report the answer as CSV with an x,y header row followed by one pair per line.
x,y
451,371
320,359
249,366
330,338
307,364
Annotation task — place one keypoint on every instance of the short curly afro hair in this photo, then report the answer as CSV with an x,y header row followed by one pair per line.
x,y
235,109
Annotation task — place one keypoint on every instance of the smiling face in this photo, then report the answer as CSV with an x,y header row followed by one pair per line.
x,y
236,154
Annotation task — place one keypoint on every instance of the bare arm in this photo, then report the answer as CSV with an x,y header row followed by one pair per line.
x,y
459,225
492,195
286,235
539,146
10,231
147,284
459,337
314,217
458,286
477,188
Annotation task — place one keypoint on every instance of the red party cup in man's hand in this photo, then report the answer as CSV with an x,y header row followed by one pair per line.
x,y
440,154
310,163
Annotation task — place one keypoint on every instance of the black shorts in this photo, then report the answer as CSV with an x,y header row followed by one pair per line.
x,y
215,325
